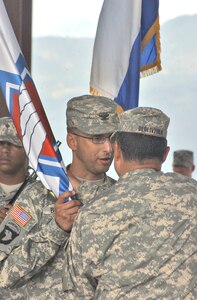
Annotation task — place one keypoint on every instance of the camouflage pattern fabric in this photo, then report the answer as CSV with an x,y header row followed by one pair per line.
x,y
183,158
92,114
87,190
8,132
136,240
6,198
48,283
40,240
8,293
33,268
144,120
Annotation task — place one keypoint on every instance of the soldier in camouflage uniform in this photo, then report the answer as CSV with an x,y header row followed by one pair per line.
x,y
183,162
25,270
13,167
138,239
91,120
30,239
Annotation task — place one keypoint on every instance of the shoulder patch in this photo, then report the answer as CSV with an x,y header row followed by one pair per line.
x,y
19,215
10,231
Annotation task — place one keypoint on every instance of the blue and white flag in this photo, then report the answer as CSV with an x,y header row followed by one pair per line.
x,y
27,112
127,46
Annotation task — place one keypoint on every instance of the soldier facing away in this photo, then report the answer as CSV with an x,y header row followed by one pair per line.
x,y
183,162
138,239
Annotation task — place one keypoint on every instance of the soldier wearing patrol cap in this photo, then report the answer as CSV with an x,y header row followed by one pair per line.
x,y
137,239
8,132
13,174
31,242
91,120
183,162
35,263
13,164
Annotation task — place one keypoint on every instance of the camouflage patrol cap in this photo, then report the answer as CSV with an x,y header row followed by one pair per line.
x,y
184,158
92,114
8,132
144,120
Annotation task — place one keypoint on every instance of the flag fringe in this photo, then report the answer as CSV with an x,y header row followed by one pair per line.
x,y
94,92
155,66
119,109
147,71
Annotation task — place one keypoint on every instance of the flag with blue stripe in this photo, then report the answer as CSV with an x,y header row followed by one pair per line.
x,y
27,112
126,47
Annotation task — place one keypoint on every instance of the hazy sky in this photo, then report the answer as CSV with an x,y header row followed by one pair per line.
x,y
79,17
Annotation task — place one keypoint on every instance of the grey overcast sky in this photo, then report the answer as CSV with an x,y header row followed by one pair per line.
x,y
78,18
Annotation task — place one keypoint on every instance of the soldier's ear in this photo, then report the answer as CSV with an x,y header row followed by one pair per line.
x,y
117,152
166,153
118,159
71,141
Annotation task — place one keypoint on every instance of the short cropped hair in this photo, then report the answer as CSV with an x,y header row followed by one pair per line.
x,y
140,146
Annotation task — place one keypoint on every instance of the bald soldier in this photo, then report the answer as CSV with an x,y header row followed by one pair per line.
x,y
183,162
138,239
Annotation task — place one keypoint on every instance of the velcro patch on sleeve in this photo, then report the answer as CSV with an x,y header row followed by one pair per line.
x,y
19,215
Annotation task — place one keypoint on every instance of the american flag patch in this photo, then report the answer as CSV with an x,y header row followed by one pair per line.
x,y
19,215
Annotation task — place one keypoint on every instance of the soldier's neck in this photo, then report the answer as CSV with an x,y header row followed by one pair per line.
x,y
82,174
12,179
145,164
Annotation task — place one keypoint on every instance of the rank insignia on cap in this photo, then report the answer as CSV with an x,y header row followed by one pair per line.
x,y
104,116
19,215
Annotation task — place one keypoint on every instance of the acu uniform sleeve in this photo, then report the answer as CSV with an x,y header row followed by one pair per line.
x,y
27,246
76,284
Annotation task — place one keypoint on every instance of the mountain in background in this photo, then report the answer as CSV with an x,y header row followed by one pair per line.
x,y
61,70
